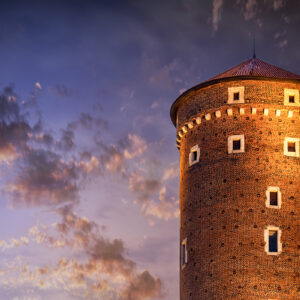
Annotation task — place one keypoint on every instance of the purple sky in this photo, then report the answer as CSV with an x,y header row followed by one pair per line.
x,y
88,158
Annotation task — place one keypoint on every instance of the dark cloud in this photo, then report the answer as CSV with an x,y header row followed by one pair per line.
x,y
9,107
143,286
66,143
87,121
106,256
143,188
63,91
43,178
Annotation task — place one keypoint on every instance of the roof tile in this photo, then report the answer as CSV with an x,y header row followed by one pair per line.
x,y
256,67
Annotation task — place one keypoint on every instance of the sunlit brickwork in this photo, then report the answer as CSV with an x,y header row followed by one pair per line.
x,y
223,196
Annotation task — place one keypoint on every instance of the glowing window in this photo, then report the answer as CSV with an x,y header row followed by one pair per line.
x,y
236,95
194,155
291,146
236,144
273,195
291,97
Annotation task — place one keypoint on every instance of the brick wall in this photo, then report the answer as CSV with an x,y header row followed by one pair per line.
x,y
222,198
214,96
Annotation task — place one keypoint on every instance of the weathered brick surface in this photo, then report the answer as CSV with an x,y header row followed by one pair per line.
x,y
214,96
222,198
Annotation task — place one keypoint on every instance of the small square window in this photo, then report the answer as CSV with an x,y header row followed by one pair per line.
x,y
236,96
236,144
291,146
292,99
273,195
272,237
194,155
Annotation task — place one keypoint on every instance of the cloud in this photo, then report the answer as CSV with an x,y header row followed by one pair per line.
x,y
143,286
171,172
154,104
143,187
280,39
12,243
250,9
100,269
159,76
38,85
164,209
137,146
62,90
216,14
43,178
9,107
66,143
146,190
278,4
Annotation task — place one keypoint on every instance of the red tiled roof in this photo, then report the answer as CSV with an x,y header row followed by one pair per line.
x,y
256,67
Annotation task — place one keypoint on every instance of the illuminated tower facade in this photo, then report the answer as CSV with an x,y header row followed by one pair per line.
x,y
239,137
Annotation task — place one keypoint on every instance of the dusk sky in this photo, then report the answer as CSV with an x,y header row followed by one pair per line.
x,y
89,166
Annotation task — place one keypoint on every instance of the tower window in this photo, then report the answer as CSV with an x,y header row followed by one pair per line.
x,y
236,144
194,155
291,146
272,239
273,197
236,95
291,97
183,253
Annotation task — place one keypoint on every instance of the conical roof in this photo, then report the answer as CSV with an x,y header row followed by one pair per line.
x,y
256,67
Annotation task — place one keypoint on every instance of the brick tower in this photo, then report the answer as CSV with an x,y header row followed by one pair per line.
x,y
239,137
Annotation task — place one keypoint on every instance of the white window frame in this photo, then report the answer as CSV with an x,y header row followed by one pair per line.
x,y
291,92
285,146
268,195
183,245
237,89
232,138
193,150
266,238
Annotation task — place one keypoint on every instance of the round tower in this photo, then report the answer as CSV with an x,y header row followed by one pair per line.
x,y
239,137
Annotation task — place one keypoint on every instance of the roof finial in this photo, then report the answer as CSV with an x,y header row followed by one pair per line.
x,y
254,55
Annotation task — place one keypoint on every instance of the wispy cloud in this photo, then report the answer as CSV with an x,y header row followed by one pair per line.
x,y
216,14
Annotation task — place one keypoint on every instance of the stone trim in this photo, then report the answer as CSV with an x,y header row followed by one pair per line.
x,y
244,111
